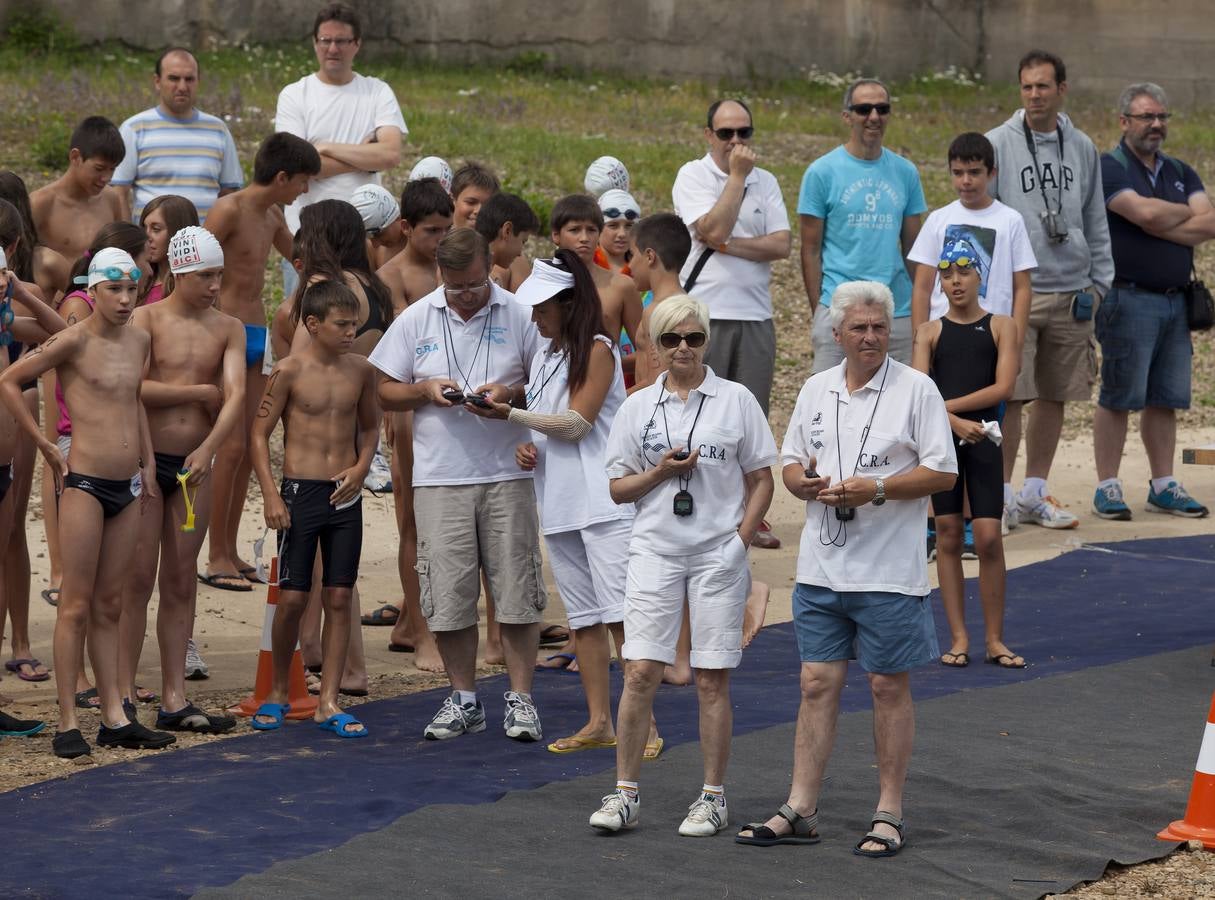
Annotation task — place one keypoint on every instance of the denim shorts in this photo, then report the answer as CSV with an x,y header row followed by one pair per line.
x,y
1145,349
889,633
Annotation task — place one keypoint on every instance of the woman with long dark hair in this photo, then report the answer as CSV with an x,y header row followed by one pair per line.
x,y
162,218
574,390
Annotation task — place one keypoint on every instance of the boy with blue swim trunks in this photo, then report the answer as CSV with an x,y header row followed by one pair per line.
x,y
248,224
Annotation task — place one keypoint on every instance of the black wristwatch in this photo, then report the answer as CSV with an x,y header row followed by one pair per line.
x,y
879,494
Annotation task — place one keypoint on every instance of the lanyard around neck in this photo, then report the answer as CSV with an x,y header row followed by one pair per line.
x,y
1033,151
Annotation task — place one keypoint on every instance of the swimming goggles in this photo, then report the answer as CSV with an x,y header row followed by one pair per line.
x,y
615,213
111,273
183,477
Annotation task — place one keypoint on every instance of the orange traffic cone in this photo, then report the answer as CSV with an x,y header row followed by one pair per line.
x,y
303,704
1199,821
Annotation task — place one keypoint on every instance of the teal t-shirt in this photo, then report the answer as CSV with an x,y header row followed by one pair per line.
x,y
862,204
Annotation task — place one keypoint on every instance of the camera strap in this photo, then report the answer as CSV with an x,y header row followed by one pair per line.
x,y
449,350
684,481
1033,151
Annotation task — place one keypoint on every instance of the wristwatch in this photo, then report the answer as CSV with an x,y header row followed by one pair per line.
x,y
879,493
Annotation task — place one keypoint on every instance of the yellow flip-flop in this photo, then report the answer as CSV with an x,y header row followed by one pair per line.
x,y
579,743
653,749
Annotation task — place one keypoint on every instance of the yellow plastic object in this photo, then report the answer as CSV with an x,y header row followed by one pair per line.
x,y
184,476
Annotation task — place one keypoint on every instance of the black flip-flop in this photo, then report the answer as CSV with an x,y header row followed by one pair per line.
x,y
51,596
83,698
191,718
554,636
960,660
230,582
999,660
385,615
249,573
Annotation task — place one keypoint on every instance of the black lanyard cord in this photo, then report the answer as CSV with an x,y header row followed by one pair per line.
x,y
1033,151
449,351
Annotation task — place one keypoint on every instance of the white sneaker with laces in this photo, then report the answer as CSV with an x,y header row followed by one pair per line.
x,y
705,817
1045,511
522,721
196,667
379,475
453,720
619,811
1011,518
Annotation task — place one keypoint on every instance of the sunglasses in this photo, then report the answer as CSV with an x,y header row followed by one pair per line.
x,y
614,213
962,262
112,273
672,339
864,109
727,134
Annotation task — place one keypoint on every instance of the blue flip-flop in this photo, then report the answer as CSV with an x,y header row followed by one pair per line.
x,y
337,724
276,710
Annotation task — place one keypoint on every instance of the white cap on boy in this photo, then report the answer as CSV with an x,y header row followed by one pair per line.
x,y
378,208
432,167
605,173
193,249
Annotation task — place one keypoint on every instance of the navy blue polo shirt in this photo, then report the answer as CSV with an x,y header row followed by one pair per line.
x,y
1151,262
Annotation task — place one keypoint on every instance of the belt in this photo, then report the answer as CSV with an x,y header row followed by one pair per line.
x,y
1130,285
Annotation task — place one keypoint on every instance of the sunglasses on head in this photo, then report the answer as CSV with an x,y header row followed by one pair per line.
x,y
727,134
614,213
672,339
864,109
962,262
113,273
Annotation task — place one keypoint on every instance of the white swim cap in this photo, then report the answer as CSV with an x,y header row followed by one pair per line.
x,y
618,205
605,173
193,249
378,208
432,167
545,282
111,264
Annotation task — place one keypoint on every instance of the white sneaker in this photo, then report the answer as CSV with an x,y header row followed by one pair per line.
x,y
1046,512
522,721
379,475
196,667
1011,518
453,720
619,811
705,817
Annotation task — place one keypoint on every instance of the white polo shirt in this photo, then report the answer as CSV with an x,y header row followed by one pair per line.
x,y
733,288
734,439
884,545
571,484
428,340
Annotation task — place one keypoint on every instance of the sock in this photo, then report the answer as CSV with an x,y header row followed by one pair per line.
x,y
715,792
1109,482
466,698
1159,484
1008,493
1033,489
628,787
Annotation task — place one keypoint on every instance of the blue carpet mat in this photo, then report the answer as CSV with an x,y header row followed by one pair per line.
x,y
169,825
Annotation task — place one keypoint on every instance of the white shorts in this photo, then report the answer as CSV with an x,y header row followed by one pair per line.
x,y
589,567
716,584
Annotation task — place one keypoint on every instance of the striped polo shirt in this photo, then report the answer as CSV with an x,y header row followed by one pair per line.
x,y
193,157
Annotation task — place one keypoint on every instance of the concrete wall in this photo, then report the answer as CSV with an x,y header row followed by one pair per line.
x,y
1106,43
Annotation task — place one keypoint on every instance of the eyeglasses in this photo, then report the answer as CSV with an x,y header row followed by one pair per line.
x,y
672,339
727,134
962,262
112,273
1149,118
340,43
864,109
465,291
614,213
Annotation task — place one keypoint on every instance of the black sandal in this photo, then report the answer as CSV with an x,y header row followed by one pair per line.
x,y
892,846
805,830
191,718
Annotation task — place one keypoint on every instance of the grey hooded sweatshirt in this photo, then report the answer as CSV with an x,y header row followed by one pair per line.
x,y
1085,257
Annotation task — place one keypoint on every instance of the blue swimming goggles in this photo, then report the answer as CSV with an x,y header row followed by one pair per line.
x,y
111,273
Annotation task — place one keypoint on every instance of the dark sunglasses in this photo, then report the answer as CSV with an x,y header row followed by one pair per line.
x,y
672,339
614,213
864,109
727,134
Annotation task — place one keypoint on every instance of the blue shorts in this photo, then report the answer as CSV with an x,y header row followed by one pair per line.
x,y
255,345
890,633
1145,349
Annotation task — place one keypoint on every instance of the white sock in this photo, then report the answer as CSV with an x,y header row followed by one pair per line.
x,y
1008,493
1033,489
1159,484
466,698
716,792
628,787
1109,482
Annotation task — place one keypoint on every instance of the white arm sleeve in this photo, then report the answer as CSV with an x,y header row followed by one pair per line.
x,y
567,426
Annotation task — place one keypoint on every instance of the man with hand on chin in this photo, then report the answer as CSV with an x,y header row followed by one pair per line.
x,y
868,442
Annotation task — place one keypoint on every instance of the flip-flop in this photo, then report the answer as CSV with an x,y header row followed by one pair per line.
x,y
338,723
249,573
1005,661
653,749
191,718
226,582
276,711
10,727
554,635
83,698
960,660
568,657
385,615
143,695
51,596
577,743
14,666
400,648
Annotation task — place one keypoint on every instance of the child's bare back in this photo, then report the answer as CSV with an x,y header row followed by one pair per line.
x,y
247,232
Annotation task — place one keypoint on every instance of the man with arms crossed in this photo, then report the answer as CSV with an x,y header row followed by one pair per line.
x,y
868,442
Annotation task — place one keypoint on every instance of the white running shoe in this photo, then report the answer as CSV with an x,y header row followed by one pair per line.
x,y
1045,512
705,817
453,720
619,811
196,666
379,475
522,721
1011,518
